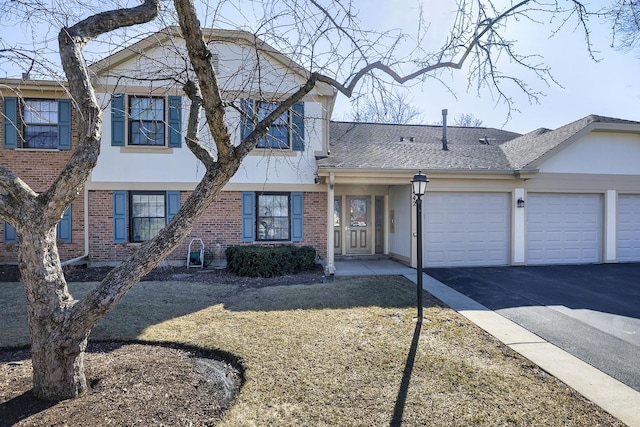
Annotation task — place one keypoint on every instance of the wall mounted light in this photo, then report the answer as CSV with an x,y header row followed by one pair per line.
x,y
520,202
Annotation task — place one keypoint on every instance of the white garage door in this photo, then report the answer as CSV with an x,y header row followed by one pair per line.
x,y
466,229
629,228
564,228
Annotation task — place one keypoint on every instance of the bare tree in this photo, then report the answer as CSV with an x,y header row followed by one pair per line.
x,y
321,35
624,16
392,107
467,120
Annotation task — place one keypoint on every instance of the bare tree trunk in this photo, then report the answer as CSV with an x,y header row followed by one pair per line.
x,y
57,349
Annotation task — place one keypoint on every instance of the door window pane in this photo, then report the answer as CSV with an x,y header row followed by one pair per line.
x,y
358,212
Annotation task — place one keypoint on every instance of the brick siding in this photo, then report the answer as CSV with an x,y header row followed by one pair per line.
x,y
219,227
39,169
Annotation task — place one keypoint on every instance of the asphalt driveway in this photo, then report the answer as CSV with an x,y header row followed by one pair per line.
x,y
590,311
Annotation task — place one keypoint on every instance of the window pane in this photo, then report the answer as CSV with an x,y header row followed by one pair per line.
x,y
147,108
336,213
147,122
147,216
40,136
147,133
278,134
273,217
40,117
40,111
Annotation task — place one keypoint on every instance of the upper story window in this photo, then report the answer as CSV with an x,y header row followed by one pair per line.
x,y
36,123
40,123
146,121
286,132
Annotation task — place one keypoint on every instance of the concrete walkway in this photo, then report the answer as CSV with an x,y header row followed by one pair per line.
x,y
620,400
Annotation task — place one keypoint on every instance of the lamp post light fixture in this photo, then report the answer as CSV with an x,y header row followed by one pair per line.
x,y
419,187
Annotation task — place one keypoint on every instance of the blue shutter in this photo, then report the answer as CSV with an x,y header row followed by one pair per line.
x,y
246,126
173,204
10,121
297,217
117,120
10,235
175,122
119,217
297,127
64,226
248,228
64,124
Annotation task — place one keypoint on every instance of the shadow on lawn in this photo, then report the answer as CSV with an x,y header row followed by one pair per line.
x,y
152,303
401,399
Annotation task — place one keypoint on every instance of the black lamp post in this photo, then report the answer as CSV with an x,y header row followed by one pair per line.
x,y
419,187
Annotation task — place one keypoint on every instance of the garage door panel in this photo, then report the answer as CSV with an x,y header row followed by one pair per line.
x,y
564,228
470,229
629,228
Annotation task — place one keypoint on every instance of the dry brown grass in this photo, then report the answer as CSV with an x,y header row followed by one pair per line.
x,y
339,354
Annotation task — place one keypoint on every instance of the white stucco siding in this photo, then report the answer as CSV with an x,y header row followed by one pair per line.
x,y
239,69
179,165
400,212
598,153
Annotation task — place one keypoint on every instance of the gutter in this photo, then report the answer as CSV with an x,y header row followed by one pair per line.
x,y
85,255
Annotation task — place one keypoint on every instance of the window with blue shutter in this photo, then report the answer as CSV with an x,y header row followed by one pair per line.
x,y
248,225
64,124
297,217
286,132
173,204
117,120
64,226
10,122
175,122
246,125
10,235
297,127
119,217
44,123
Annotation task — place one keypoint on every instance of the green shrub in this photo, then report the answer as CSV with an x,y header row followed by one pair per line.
x,y
269,261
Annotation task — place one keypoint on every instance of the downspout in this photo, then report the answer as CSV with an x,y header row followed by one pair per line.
x,y
85,255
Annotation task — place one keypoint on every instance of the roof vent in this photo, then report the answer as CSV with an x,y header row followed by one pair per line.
x,y
486,140
402,139
411,139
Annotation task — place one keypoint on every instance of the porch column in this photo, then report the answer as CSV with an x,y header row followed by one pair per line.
x,y
519,228
330,267
610,226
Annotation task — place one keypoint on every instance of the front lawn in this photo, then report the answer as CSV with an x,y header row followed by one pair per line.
x,y
341,353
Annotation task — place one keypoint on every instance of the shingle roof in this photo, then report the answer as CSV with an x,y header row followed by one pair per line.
x,y
377,146
386,146
523,151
